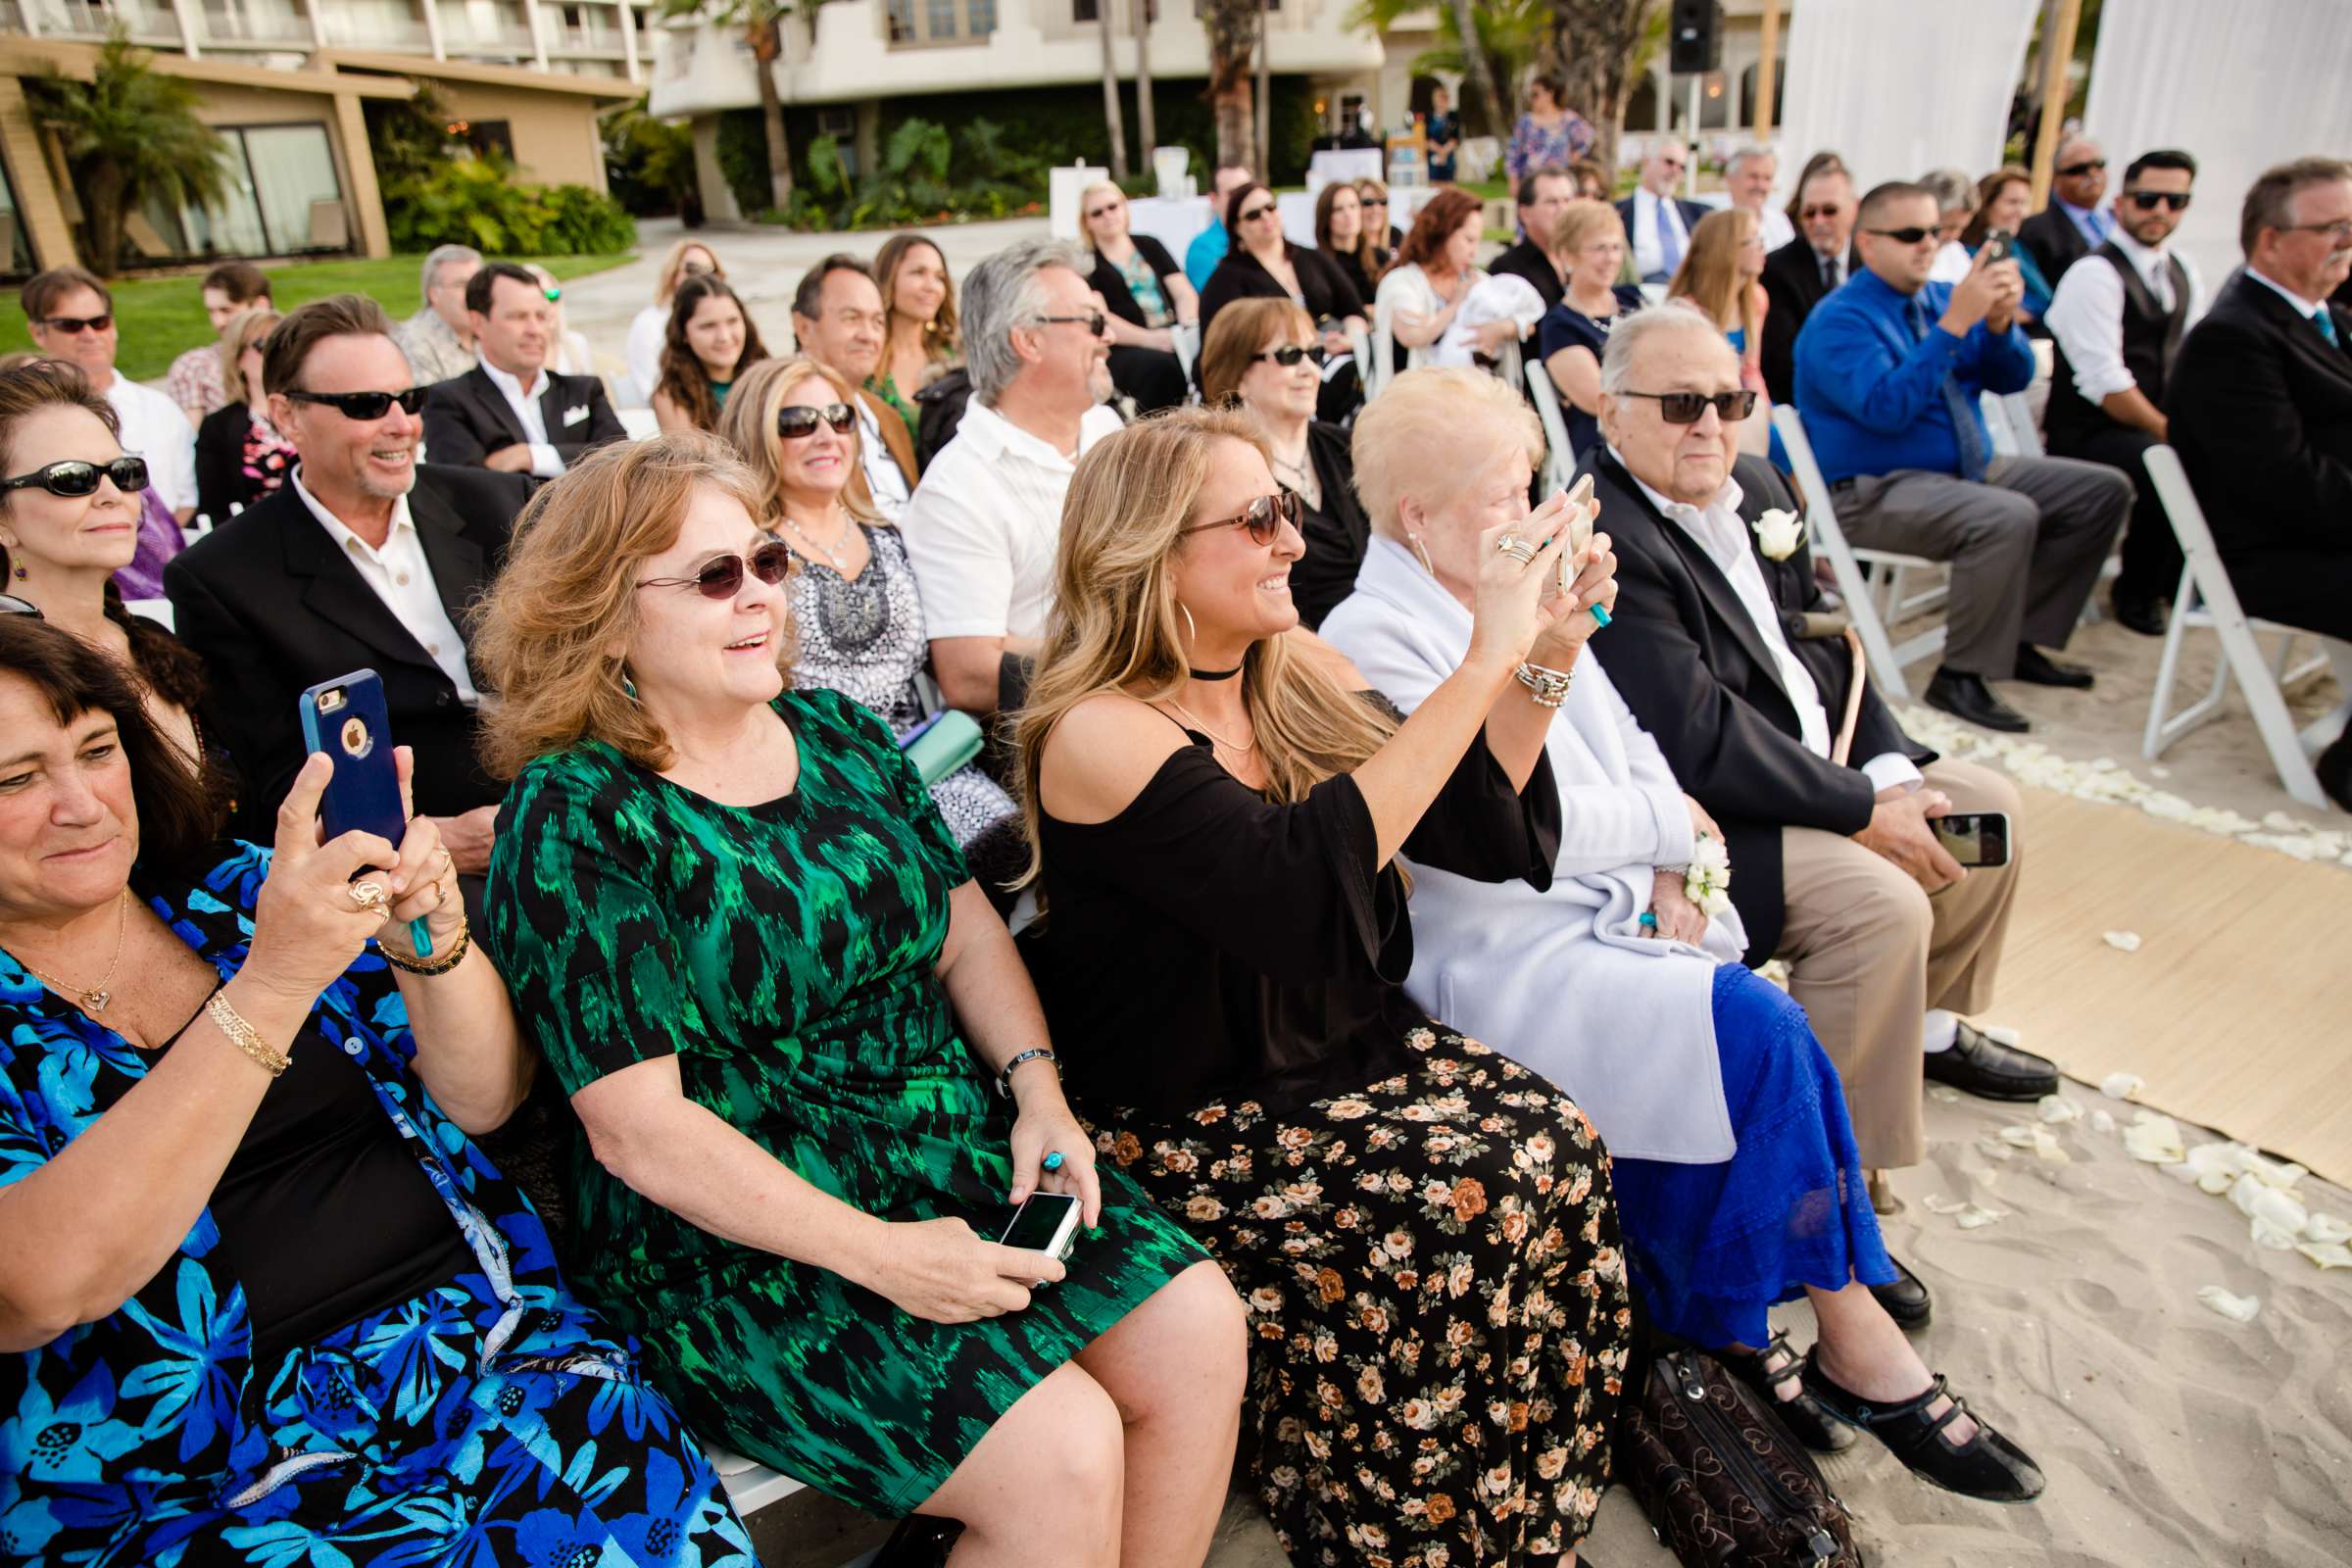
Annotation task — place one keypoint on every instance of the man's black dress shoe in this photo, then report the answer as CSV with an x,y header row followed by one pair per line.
x,y
1987,1466
2145,614
1906,1300
2334,767
2038,668
1980,1065
1965,696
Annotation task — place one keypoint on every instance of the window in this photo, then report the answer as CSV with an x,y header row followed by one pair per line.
x,y
940,17
981,17
15,249
284,198
902,21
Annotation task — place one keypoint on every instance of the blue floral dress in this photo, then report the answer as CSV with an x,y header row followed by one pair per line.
x,y
490,1419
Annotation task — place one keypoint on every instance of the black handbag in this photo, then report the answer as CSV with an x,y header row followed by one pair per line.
x,y
1724,1482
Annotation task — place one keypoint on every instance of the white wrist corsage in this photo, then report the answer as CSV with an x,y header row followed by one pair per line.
x,y
1779,531
1707,879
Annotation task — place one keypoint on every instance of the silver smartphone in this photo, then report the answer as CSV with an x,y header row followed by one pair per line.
x,y
1048,1223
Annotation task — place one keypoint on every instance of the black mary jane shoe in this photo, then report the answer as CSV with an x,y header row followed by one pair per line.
x,y
1802,1415
1905,1299
1987,1466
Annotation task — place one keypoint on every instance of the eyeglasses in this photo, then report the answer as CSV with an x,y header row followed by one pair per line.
x,y
1264,518
1093,321
722,578
364,405
1092,213
798,421
76,325
1256,213
1905,236
1687,408
1286,356
2148,201
1809,213
2090,166
74,477
2338,228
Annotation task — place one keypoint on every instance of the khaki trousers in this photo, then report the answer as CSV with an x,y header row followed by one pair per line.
x,y
1869,951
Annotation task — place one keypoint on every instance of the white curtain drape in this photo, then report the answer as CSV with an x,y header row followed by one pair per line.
x,y
2240,87
1897,87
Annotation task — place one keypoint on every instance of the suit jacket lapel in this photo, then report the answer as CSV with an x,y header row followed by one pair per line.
x,y
335,592
457,561
491,401
1713,585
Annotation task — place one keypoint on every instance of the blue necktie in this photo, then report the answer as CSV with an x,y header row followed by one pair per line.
x,y
2326,322
1670,243
1968,434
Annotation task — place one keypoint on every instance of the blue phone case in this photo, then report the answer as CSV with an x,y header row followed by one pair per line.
x,y
345,718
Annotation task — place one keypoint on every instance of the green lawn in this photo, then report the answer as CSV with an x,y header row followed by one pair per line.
x,y
162,318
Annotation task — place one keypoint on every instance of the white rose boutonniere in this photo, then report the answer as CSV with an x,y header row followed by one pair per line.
x,y
1779,531
1707,879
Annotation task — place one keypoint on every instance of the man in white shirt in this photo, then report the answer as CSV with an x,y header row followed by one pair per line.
x,y
1834,860
510,412
365,560
70,316
2119,317
438,339
1657,221
837,315
1747,181
982,527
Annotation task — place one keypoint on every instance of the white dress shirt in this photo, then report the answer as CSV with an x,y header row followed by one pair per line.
x,y
157,428
1771,222
402,579
1648,213
2086,313
882,475
546,461
2307,309
1951,264
1723,535
983,525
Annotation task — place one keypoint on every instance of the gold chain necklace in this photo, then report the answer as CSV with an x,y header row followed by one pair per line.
x,y
1235,750
840,540
95,998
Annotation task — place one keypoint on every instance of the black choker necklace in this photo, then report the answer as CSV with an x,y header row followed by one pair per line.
x,y
1214,674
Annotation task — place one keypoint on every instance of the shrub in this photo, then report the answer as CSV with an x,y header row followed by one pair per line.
x,y
478,202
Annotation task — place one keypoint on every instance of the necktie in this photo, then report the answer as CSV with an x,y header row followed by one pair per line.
x,y
2326,322
1829,271
1968,434
1670,243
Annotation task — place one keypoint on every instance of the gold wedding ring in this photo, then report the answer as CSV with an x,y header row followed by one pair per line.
x,y
368,895
1518,549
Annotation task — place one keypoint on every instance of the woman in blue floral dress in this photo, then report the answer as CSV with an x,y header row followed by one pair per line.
x,y
261,1300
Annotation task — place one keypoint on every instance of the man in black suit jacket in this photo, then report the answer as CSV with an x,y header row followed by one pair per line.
x,y
2259,409
2054,236
1835,868
1798,273
1543,194
362,560
511,411
1657,221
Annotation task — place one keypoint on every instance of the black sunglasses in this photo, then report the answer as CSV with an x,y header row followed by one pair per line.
x,y
1288,355
2148,201
364,405
74,477
722,578
1686,408
1905,236
1256,213
798,421
76,325
1367,201
1095,321
1092,213
2078,170
1263,519
1832,210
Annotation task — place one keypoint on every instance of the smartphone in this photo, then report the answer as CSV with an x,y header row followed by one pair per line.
x,y
344,718
1974,838
1582,510
1047,1223
1999,243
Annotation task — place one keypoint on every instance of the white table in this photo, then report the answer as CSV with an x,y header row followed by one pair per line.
x,y
1172,220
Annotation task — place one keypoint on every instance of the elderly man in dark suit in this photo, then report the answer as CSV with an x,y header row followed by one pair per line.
x,y
2074,223
1838,868
2259,409
362,560
510,413
1657,221
1798,273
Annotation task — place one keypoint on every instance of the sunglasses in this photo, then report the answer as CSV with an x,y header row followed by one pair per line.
x,y
76,325
1809,213
1264,518
74,477
722,578
1905,236
364,405
2078,170
2148,201
798,421
1686,408
1093,212
1255,212
1095,321
1286,356
1373,200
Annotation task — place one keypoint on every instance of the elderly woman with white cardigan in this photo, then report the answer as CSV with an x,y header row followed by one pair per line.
x,y
1738,1180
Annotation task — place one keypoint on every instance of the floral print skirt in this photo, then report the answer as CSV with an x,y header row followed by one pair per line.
x,y
1438,1303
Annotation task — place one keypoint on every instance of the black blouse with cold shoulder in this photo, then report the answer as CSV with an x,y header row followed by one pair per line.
x,y
1206,943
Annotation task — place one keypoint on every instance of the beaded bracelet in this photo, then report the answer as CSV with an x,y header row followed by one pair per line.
x,y
433,967
244,1036
1547,688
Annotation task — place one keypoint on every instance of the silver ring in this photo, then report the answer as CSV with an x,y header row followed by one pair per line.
x,y
1521,551
440,896
1511,544
368,895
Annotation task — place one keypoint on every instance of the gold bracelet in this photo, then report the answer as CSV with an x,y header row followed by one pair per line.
x,y
431,966
244,1036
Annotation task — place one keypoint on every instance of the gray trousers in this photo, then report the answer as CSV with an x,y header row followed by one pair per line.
x,y
2024,546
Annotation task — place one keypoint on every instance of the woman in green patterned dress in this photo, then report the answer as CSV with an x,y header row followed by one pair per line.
x,y
752,953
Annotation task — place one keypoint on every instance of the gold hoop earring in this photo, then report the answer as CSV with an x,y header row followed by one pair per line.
x,y
1191,633
1422,551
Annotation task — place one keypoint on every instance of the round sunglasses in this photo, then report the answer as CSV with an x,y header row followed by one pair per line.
x,y
722,577
74,477
1264,518
798,421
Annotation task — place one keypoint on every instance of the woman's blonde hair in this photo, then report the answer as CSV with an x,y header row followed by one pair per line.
x,y
1115,626
665,282
1238,335
1415,439
243,331
1584,221
749,425
1086,199
942,339
567,598
1709,277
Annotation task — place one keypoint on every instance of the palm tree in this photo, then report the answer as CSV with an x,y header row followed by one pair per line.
x,y
130,136
1148,133
1508,33
1232,26
1105,12
1604,45
762,24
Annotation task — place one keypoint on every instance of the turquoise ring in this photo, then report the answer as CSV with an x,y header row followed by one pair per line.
x,y
1052,1163
1601,616
1648,921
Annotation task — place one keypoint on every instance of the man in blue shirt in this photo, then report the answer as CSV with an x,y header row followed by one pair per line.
x,y
1209,246
1888,370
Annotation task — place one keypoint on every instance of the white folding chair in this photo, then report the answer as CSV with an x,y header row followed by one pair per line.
x,y
2207,599
2022,429
1559,457
1380,361
1887,657
750,1486
1185,337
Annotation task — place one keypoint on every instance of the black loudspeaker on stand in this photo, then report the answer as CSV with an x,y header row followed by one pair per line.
x,y
1695,37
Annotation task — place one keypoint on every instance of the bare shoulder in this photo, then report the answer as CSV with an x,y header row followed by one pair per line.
x,y
1101,755
1306,644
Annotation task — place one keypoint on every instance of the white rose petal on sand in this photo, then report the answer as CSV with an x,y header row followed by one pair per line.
x,y
2155,1138
2237,1308
2122,1085
2124,940
2327,1254
2060,1109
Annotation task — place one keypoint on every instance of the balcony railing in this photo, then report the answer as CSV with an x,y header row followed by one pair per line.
x,y
95,19
352,25
234,26
498,28
585,40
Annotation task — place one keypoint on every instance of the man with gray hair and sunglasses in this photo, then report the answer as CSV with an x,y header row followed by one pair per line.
x,y
439,338
982,527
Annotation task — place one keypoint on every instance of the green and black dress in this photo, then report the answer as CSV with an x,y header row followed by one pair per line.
x,y
784,953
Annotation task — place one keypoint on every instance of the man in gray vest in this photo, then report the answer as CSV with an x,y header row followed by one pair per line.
x,y
2118,327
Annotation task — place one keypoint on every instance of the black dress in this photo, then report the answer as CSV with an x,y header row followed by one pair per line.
x,y
1422,1229
1153,378
1322,287
1336,532
1565,326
